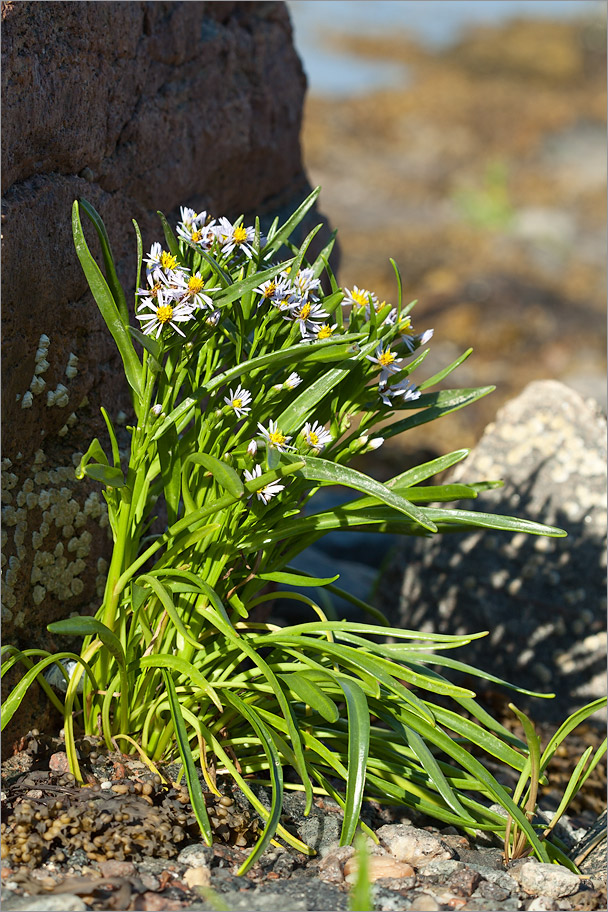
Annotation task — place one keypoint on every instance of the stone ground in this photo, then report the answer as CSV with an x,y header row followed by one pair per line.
x,y
129,842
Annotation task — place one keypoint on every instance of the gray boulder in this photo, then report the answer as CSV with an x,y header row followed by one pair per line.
x,y
541,599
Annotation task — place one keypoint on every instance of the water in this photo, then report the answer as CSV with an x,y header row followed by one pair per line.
x,y
435,23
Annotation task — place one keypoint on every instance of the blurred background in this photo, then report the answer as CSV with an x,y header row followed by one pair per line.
x,y
467,140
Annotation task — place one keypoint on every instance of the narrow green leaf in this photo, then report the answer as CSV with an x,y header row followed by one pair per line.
x,y
192,675
292,222
194,787
296,579
435,405
106,251
311,693
15,698
170,238
276,777
316,469
358,748
107,475
293,355
107,306
89,626
238,289
442,374
225,476
494,521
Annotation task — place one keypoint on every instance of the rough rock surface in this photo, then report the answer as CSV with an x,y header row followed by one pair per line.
x,y
134,107
542,599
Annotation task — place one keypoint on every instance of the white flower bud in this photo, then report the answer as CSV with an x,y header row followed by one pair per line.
x,y
252,448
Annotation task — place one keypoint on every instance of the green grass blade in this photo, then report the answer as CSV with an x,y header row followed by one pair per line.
x,y
107,306
276,775
283,233
311,694
442,374
358,748
435,405
316,469
194,787
106,251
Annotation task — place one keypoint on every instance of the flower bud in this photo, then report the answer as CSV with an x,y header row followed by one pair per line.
x,y
252,448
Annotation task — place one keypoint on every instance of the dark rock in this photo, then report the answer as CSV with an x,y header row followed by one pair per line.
x,y
541,598
134,107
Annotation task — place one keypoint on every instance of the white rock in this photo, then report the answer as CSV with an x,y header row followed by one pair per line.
x,y
416,847
544,879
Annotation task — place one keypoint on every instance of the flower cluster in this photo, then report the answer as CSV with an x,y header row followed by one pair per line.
x,y
185,293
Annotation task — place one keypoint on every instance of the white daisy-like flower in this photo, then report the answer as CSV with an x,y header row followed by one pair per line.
x,y
274,289
387,360
163,312
325,331
274,438
293,380
359,297
239,400
158,281
233,237
404,389
268,491
190,290
316,436
304,282
190,218
159,259
409,337
308,314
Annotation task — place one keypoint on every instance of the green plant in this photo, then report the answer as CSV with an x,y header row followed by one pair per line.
x,y
247,371
360,897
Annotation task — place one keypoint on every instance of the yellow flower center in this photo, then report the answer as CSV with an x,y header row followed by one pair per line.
x,y
164,313
406,327
325,332
386,358
270,290
360,298
195,284
239,235
167,261
237,403
284,303
196,236
313,438
275,438
305,311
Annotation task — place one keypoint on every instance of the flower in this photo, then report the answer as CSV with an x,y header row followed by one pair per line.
x,y
325,331
360,297
239,400
252,447
316,436
308,314
387,360
158,281
159,259
304,282
163,311
268,491
190,289
274,437
232,236
409,337
404,388
274,289
292,381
